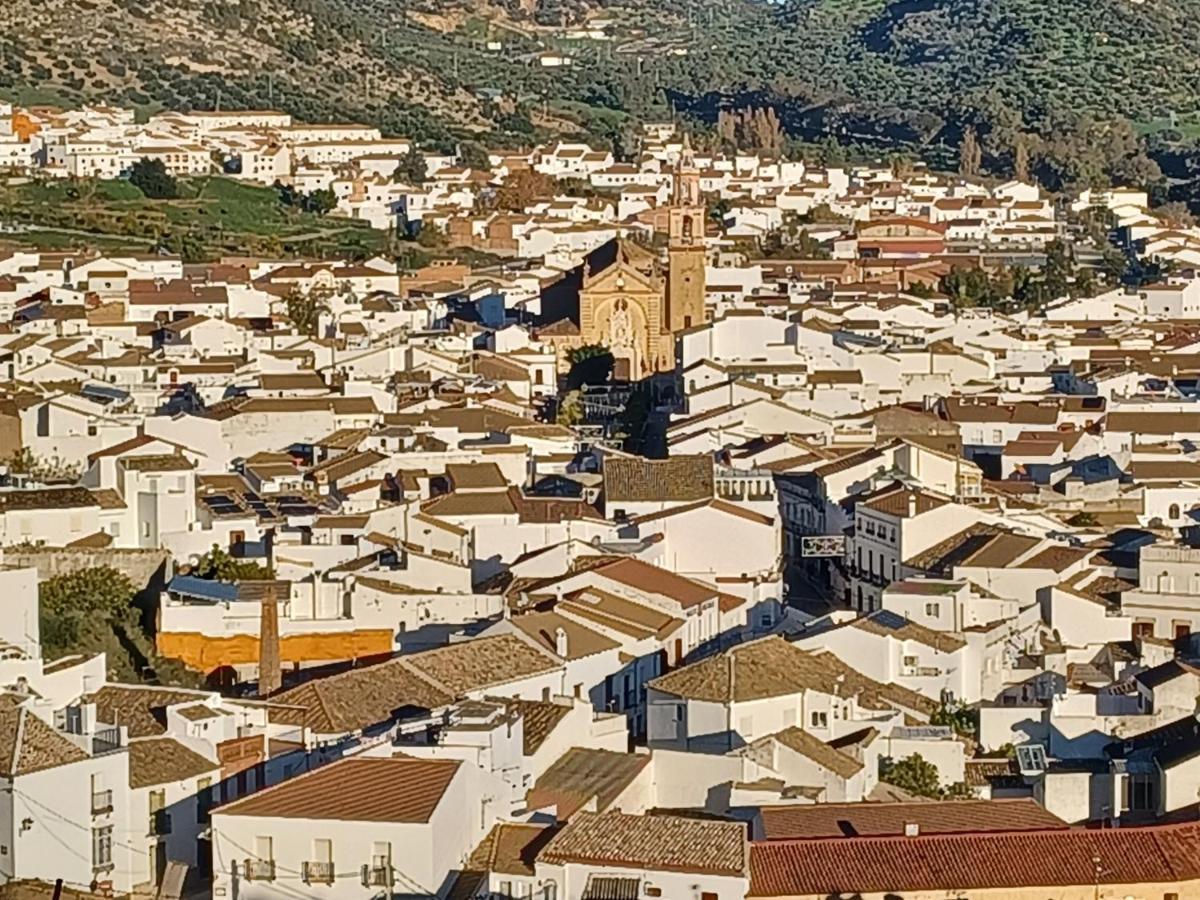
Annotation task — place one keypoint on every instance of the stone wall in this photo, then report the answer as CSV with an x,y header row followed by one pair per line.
x,y
145,568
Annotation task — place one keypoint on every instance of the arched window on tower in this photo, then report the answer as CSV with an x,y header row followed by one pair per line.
x,y
687,228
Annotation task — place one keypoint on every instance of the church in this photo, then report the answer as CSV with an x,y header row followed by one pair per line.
x,y
625,298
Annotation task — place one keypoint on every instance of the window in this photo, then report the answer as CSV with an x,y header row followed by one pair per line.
x,y
910,661
549,890
91,429
819,720
1143,629
203,799
1173,511
102,847
708,895
652,891
506,889
933,609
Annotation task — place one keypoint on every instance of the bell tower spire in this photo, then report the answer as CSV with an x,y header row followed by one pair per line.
x,y
685,246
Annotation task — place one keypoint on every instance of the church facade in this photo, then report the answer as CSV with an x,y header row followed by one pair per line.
x,y
633,304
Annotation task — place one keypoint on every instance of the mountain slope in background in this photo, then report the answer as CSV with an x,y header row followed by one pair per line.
x,y
901,73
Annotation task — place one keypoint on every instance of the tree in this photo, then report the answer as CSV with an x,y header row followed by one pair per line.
x,y
1021,159
474,155
304,310
956,716
913,774
412,168
77,610
220,565
101,591
570,408
320,202
970,154
523,189
151,177
590,364
1175,214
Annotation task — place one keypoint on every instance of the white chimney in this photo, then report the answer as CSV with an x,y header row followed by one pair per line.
x,y
912,505
912,829
560,641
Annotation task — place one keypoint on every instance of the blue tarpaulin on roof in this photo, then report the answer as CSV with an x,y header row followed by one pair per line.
x,y
202,588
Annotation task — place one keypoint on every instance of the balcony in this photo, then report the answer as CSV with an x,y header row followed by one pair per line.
x,y
160,823
260,870
102,802
377,876
106,740
317,872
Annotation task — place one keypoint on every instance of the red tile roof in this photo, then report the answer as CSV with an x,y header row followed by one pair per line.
x,y
364,789
858,820
965,862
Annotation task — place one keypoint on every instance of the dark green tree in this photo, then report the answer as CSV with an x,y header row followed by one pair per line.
x,y
151,177
220,565
412,168
913,774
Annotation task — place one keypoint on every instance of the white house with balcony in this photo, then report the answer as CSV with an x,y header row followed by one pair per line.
x,y
355,828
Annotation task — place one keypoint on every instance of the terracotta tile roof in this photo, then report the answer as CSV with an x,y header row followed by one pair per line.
x,y
50,498
1056,558
582,775
165,462
813,748
637,620
581,640
476,476
850,820
651,579
28,745
359,789
471,503
141,710
1002,551
943,556
680,479
538,719
899,503
482,663
510,849
354,700
756,670
161,760
653,843
1005,861
888,624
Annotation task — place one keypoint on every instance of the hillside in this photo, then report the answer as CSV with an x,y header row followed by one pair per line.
x,y
909,73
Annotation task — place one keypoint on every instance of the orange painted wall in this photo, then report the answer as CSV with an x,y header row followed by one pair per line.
x,y
24,127
203,653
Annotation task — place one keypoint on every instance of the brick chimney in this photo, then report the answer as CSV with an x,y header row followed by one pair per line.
x,y
270,676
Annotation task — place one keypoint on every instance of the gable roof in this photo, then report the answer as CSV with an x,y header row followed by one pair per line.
x,y
28,745
850,820
1052,858
654,843
680,479
583,774
359,789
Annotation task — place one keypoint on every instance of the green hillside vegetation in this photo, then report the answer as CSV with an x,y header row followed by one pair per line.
x,y
210,216
1075,91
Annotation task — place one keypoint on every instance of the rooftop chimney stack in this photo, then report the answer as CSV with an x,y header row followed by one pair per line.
x,y
560,642
912,829
270,676
912,505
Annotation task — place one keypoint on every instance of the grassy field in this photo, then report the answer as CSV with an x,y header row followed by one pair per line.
x,y
211,217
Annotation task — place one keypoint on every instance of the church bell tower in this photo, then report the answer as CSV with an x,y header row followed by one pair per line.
x,y
685,247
